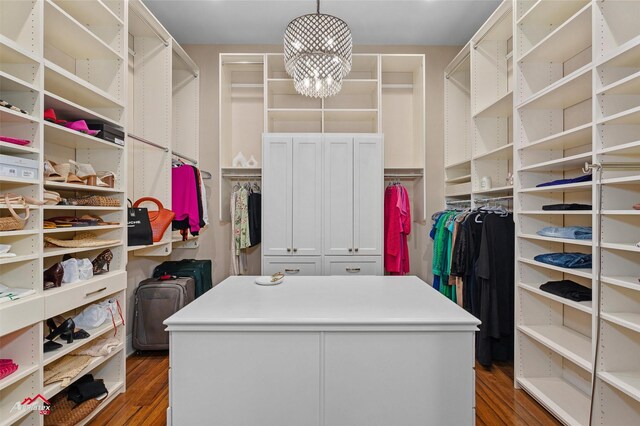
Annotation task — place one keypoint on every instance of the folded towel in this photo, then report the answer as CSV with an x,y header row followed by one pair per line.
x,y
567,289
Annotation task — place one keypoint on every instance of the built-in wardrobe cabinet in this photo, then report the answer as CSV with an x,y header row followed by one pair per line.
x,y
293,185
322,204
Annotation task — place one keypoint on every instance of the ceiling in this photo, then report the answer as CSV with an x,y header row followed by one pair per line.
x,y
418,22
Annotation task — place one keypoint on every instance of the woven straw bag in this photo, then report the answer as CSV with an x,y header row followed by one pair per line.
x,y
94,200
68,413
13,222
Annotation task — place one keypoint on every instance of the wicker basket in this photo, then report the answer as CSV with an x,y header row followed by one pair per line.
x,y
13,222
94,200
68,413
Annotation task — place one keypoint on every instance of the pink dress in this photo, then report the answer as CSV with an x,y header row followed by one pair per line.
x,y
397,227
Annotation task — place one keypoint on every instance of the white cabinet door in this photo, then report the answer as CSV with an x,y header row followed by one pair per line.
x,y
276,195
307,195
338,195
352,265
292,265
368,185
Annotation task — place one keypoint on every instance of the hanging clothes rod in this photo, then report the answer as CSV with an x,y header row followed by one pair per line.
x,y
165,42
631,166
243,63
458,65
402,175
488,200
205,174
184,157
458,202
138,138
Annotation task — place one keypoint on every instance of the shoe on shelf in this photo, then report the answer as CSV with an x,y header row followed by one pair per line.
x,y
102,262
78,333
51,174
81,126
64,170
87,173
50,346
50,116
109,178
66,328
52,277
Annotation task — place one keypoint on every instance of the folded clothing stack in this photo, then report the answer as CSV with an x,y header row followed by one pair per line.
x,y
567,289
572,206
565,260
583,178
7,367
85,388
569,232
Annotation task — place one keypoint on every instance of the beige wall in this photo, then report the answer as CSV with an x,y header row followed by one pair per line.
x,y
215,241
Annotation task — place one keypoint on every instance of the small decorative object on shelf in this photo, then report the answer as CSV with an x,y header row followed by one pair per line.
x,y
239,160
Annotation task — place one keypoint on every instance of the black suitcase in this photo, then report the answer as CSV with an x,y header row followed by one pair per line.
x,y
199,270
155,301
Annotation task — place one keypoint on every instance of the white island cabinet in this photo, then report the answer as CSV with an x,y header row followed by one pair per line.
x,y
334,351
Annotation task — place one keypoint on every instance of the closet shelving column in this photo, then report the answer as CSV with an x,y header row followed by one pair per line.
x,y
185,116
492,106
616,86
243,117
21,84
457,129
553,139
150,118
402,123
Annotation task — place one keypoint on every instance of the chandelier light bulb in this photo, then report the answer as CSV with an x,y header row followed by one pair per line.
x,y
319,47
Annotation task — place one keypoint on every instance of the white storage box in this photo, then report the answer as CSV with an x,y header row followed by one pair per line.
x,y
17,167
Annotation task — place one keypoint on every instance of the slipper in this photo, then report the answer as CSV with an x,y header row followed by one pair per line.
x,y
81,126
50,116
15,141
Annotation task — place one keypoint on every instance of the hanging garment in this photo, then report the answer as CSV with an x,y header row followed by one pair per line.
x,y
185,201
397,227
203,201
495,274
235,256
255,229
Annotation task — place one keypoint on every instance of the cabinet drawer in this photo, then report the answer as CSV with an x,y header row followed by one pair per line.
x,y
292,265
353,265
71,296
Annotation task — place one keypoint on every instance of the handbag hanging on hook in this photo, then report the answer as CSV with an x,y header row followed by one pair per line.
x,y
160,219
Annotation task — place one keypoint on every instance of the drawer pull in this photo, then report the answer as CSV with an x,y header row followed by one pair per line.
x,y
356,250
295,250
288,250
352,270
292,271
350,250
94,292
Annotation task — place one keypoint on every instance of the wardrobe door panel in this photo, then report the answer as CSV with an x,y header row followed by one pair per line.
x,y
276,195
368,187
307,195
338,195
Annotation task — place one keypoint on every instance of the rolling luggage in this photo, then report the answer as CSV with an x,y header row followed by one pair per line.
x,y
199,270
156,300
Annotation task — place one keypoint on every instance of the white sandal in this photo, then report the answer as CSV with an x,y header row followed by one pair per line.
x,y
86,173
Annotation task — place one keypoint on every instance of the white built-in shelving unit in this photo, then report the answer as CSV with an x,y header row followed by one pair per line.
x,y
479,115
575,102
382,94
72,56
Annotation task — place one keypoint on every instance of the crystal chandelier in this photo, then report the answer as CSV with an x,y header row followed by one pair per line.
x,y
317,53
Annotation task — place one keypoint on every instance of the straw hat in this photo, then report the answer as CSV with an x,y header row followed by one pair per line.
x,y
81,240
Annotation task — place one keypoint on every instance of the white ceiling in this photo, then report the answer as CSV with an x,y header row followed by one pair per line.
x,y
422,22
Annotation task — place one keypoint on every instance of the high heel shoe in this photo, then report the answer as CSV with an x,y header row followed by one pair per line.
x,y
52,277
86,173
63,172
65,328
102,260
78,333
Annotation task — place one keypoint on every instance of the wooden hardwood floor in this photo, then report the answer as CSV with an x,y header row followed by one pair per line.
x,y
146,399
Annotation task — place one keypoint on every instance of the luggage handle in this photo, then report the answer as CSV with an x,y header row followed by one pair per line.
x,y
95,291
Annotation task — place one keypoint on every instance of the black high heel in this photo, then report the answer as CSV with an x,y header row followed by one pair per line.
x,y
65,328
77,335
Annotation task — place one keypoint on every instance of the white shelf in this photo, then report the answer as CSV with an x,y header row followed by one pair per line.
x,y
630,282
21,232
504,152
623,56
630,116
542,9
560,397
568,343
67,108
622,180
159,243
82,208
459,164
80,229
587,243
622,246
460,179
79,187
578,272
13,149
566,163
627,382
627,86
18,375
535,288
10,116
59,135
52,389
70,36
9,83
11,52
566,41
58,80
18,180
556,212
571,138
90,14
567,92
624,319
16,259
94,333
571,187
497,190
631,148
502,107
60,251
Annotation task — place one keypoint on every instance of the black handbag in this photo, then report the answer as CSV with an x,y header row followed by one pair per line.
x,y
139,230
